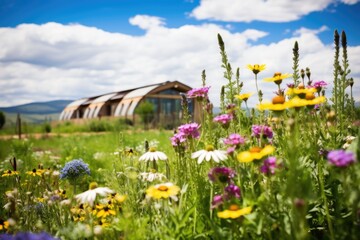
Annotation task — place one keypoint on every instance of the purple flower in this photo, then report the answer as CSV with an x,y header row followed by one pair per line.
x,y
190,130
319,85
290,85
27,236
340,158
198,92
217,201
261,131
230,150
74,169
269,166
221,174
232,191
178,138
234,139
224,118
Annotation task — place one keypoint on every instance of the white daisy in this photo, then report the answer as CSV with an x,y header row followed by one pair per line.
x,y
151,176
153,155
89,196
209,153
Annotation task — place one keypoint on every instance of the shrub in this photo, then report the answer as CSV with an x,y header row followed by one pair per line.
x,y
2,119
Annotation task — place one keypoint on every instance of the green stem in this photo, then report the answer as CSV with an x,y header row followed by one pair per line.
x,y
323,195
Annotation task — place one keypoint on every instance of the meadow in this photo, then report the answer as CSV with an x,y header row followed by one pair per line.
x,y
287,169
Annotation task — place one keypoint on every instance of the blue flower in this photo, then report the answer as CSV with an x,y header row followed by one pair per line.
x,y
74,169
27,236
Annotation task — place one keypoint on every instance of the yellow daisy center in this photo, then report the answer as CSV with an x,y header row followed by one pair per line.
x,y
209,148
255,150
93,185
233,207
163,188
152,149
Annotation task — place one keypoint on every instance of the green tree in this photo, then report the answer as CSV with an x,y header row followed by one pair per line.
x,y
2,119
146,112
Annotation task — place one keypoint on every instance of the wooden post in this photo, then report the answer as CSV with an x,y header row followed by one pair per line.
x,y
18,125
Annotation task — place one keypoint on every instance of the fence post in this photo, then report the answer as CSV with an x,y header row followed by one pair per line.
x,y
18,125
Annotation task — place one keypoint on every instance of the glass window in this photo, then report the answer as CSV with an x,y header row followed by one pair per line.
x,y
170,92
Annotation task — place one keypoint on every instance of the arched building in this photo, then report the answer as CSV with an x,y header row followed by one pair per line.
x,y
165,98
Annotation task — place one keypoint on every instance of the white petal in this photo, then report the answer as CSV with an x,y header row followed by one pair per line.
x,y
144,157
197,154
201,158
162,155
221,155
103,191
208,156
215,157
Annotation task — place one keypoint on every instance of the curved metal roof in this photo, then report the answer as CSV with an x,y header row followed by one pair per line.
x,y
103,98
140,92
77,102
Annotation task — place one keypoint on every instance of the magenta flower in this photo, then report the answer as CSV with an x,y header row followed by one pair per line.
x,y
234,139
221,174
290,85
319,85
341,158
232,191
178,138
217,201
223,119
261,131
230,150
190,130
269,166
198,92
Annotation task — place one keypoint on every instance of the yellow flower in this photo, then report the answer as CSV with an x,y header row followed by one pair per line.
x,y
35,172
278,77
273,107
255,153
244,96
4,224
105,210
234,212
300,91
102,222
130,152
163,190
79,210
79,218
256,68
9,173
297,102
116,198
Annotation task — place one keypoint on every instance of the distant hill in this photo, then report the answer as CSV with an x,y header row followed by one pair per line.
x,y
38,107
35,112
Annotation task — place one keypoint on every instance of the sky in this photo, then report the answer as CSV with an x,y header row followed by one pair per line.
x,y
51,49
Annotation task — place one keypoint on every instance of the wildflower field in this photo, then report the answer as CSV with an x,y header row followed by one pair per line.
x,y
286,169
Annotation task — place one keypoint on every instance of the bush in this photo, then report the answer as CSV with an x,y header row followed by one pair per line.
x,y
146,111
2,119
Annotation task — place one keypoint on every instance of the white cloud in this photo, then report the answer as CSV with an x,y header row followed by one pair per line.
x,y
55,61
303,30
350,2
263,10
146,22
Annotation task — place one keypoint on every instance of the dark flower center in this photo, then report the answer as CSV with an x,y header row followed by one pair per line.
x,y
223,178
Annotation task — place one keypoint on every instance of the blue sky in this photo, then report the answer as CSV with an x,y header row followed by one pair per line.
x,y
113,16
33,32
